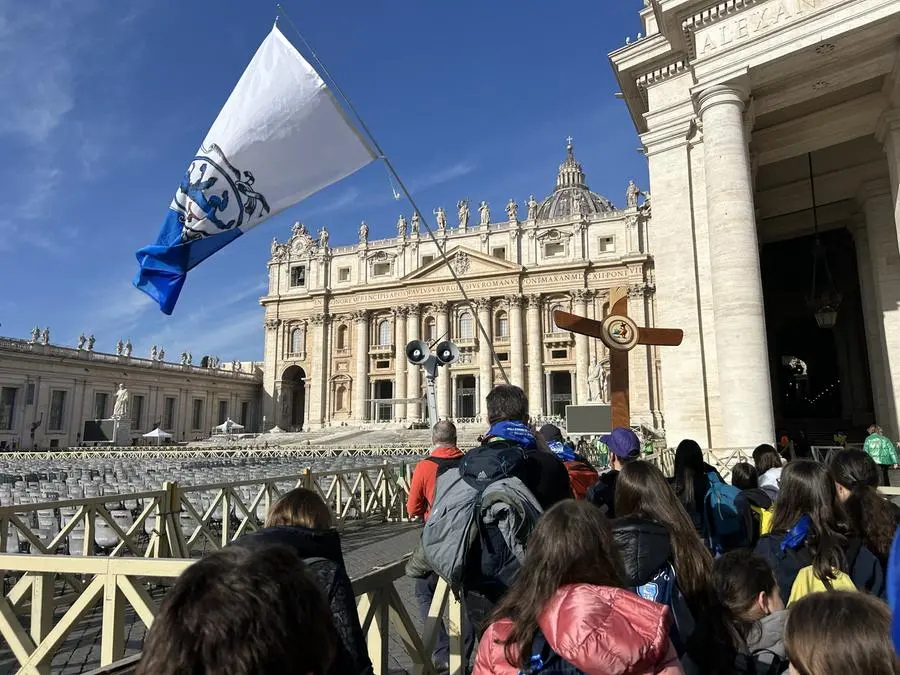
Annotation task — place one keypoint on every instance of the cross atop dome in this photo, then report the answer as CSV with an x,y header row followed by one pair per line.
x,y
570,149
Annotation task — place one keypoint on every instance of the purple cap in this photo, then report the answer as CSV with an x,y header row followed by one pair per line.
x,y
623,442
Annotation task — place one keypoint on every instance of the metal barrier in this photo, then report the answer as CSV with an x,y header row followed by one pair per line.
x,y
119,583
224,452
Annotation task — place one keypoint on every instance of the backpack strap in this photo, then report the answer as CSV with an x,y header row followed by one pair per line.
x,y
542,654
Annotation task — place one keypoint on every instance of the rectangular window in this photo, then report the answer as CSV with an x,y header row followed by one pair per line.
x,y
298,276
169,413
197,414
57,410
137,411
554,250
503,356
343,274
381,269
223,411
607,244
7,407
245,413
101,400
427,260
382,364
499,252
29,394
559,354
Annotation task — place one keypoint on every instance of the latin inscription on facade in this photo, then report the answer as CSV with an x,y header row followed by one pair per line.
x,y
761,19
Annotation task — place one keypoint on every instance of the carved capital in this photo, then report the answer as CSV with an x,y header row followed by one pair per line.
x,y
359,316
515,301
317,319
440,305
534,301
400,312
272,324
413,310
582,295
639,290
482,304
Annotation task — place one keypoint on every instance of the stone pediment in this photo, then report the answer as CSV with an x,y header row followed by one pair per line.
x,y
466,263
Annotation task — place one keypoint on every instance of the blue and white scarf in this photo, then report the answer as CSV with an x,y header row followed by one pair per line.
x,y
515,432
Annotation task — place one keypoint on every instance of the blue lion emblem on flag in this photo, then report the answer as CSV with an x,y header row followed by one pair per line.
x,y
215,197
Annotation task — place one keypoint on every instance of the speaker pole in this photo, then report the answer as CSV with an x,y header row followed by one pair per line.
x,y
431,372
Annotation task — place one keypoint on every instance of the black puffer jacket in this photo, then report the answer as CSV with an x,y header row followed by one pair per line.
x,y
321,550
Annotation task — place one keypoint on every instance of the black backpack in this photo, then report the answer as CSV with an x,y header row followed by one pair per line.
x,y
546,661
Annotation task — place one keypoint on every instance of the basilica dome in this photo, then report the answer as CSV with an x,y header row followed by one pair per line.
x,y
570,190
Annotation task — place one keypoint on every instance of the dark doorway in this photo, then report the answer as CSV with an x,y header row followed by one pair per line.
x,y
560,392
820,376
293,398
384,401
465,396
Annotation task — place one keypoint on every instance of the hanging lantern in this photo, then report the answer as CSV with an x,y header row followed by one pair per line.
x,y
826,302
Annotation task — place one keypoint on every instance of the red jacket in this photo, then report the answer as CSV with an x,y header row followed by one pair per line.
x,y
421,487
600,630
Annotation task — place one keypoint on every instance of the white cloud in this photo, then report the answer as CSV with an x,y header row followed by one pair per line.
x,y
441,176
347,198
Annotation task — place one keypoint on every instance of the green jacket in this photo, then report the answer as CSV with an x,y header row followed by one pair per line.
x,y
881,449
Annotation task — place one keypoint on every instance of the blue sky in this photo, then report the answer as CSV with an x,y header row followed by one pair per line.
x,y
104,103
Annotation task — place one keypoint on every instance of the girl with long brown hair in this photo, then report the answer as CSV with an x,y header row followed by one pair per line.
x,y
569,603
807,530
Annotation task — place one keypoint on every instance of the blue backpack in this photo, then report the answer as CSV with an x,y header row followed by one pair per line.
x,y
663,590
724,524
546,661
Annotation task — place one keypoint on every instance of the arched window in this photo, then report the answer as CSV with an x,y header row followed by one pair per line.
x,y
297,340
384,332
466,326
501,325
342,337
430,329
553,327
340,397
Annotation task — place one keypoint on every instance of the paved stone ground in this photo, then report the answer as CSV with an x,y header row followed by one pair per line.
x,y
364,549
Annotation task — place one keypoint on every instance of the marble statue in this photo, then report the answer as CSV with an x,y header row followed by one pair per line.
x,y
81,341
190,358
462,207
162,354
119,347
274,246
91,342
631,194
532,208
323,237
595,375
238,366
35,334
298,229
45,337
128,347
184,358
414,224
401,227
512,211
154,353
579,205
120,408
363,233
441,217
484,211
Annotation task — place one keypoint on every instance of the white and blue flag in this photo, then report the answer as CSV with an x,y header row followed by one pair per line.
x,y
279,138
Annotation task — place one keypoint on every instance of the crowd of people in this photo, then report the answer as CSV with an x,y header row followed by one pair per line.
x,y
566,569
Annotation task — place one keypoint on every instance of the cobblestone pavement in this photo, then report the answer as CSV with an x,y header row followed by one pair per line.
x,y
364,549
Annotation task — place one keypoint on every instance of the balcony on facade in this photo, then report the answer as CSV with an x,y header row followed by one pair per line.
x,y
560,339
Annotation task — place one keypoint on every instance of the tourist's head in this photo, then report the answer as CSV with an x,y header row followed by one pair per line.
x,y
242,612
624,446
765,457
551,433
874,429
690,470
744,476
853,470
507,402
840,633
300,508
746,589
571,544
806,489
443,434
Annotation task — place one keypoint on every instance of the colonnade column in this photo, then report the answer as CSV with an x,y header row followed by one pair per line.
x,y
318,353
535,344
741,348
878,206
639,359
485,364
442,323
361,380
516,355
582,350
413,373
400,362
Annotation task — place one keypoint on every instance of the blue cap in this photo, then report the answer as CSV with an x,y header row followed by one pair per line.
x,y
623,442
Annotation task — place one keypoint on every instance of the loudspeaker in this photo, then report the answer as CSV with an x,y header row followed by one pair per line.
x,y
447,353
417,352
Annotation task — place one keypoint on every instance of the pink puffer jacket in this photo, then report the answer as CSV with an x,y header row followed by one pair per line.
x,y
600,630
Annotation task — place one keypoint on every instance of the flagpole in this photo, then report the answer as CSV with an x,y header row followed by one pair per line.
x,y
390,167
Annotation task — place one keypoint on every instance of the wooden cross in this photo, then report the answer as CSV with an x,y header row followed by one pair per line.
x,y
620,334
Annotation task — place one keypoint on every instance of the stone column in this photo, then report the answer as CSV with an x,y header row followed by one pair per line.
x,y
318,351
442,325
485,364
884,261
871,321
888,133
361,353
413,373
740,328
400,362
582,350
516,354
639,359
534,340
